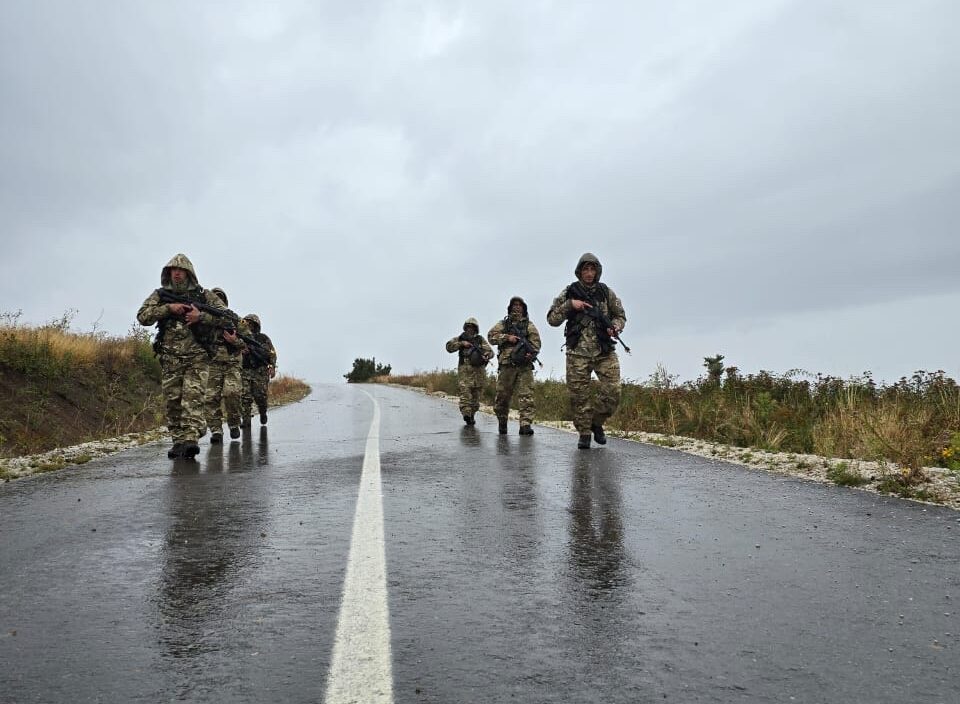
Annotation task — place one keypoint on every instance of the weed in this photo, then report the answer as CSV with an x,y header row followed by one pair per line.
x,y
51,465
841,475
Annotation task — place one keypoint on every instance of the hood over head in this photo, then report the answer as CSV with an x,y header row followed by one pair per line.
x,y
592,258
179,261
522,302
473,322
221,294
254,321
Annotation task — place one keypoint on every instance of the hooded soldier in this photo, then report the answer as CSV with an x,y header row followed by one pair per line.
x,y
259,367
594,317
474,354
224,381
185,341
518,341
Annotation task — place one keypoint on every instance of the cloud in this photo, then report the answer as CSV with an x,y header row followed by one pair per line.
x,y
365,176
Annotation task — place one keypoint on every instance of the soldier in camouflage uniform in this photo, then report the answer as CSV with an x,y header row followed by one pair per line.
x,y
474,353
185,338
257,374
515,374
224,381
590,347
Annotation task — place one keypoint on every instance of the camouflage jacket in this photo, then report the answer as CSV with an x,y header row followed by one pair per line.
x,y
248,361
498,336
453,345
226,352
590,342
178,339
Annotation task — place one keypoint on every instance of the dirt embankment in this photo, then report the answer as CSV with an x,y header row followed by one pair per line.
x,y
38,413
71,436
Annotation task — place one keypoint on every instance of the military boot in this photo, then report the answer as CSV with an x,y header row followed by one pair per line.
x,y
234,433
526,430
175,451
263,417
468,419
190,449
599,435
584,442
501,425
216,438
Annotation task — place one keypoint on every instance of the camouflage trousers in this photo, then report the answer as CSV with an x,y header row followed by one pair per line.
x,y
184,383
224,390
515,380
470,383
593,406
256,383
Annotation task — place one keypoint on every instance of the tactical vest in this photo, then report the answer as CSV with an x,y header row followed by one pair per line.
x,y
578,320
249,362
520,329
474,356
204,335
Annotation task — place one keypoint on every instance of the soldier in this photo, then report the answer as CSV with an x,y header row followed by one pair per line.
x,y
185,338
224,383
518,341
474,354
257,372
594,317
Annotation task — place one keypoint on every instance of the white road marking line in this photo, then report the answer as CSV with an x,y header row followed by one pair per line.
x,y
361,670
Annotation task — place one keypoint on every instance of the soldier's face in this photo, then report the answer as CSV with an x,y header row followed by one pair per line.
x,y
588,273
516,308
471,330
177,275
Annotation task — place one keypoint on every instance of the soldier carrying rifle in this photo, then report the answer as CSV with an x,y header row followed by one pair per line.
x,y
474,354
186,337
594,317
518,341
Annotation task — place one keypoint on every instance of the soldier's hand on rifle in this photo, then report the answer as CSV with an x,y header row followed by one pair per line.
x,y
272,370
465,345
512,338
179,308
230,336
577,304
192,315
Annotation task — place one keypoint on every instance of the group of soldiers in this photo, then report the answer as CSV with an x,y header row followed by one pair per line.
x,y
212,360
593,316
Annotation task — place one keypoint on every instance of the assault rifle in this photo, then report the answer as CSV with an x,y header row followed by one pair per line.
x,y
260,354
604,323
523,348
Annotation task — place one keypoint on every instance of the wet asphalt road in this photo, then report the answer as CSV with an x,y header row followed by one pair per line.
x,y
517,570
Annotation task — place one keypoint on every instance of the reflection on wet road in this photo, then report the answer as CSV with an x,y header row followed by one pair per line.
x,y
517,569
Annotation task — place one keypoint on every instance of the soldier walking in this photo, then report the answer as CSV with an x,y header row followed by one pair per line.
x,y
185,339
594,317
474,353
224,382
518,341
257,373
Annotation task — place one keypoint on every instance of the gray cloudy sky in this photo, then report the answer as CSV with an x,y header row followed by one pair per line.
x,y
775,180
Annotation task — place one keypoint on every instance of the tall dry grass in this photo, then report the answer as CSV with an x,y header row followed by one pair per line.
x,y
287,389
907,422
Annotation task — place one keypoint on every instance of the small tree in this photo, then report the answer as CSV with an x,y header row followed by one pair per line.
x,y
365,370
714,367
